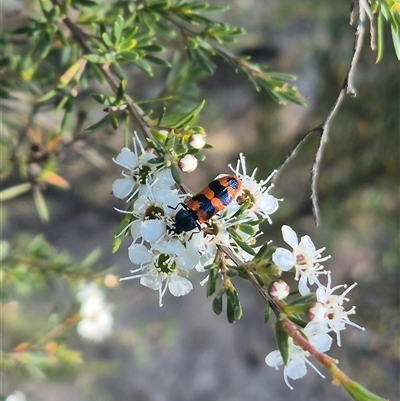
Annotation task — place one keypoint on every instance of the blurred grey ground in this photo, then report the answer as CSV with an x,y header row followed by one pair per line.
x,y
182,351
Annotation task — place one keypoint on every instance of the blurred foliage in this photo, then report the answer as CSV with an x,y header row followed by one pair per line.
x,y
31,266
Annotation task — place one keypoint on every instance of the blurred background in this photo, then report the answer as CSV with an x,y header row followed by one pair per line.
x,y
183,351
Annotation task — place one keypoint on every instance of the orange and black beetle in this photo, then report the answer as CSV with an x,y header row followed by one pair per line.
x,y
201,207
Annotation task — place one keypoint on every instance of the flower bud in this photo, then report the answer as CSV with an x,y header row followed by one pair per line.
x,y
279,289
110,280
318,312
188,163
197,141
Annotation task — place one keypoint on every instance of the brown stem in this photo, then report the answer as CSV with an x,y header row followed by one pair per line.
x,y
54,332
322,129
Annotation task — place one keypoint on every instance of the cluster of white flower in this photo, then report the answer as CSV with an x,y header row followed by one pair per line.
x,y
165,255
96,317
166,249
326,315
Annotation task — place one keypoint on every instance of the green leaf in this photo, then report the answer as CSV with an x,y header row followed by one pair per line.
x,y
231,273
129,55
380,36
175,173
127,132
267,313
303,299
44,5
299,321
95,58
114,121
13,192
247,229
262,253
91,259
103,99
120,92
97,72
49,95
126,45
118,71
110,57
152,48
144,66
233,308
117,29
70,73
207,65
130,33
281,337
98,124
212,282
40,204
238,306
159,5
230,309
358,392
180,120
157,60
245,246
106,39
67,115
217,303
43,45
396,42
120,231
62,102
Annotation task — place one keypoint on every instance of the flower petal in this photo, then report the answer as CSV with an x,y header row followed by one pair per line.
x,y
274,359
122,187
307,243
165,178
296,369
126,158
283,258
189,260
152,230
303,289
268,204
138,254
290,236
152,281
179,286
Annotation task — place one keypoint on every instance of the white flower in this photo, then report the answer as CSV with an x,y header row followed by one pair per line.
x,y
96,317
335,318
160,267
304,257
16,396
218,235
197,141
153,212
188,163
318,312
138,172
261,202
297,361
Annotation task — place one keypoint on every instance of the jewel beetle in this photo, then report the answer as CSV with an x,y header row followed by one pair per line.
x,y
201,207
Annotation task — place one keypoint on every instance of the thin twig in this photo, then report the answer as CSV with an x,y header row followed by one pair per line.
x,y
348,87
